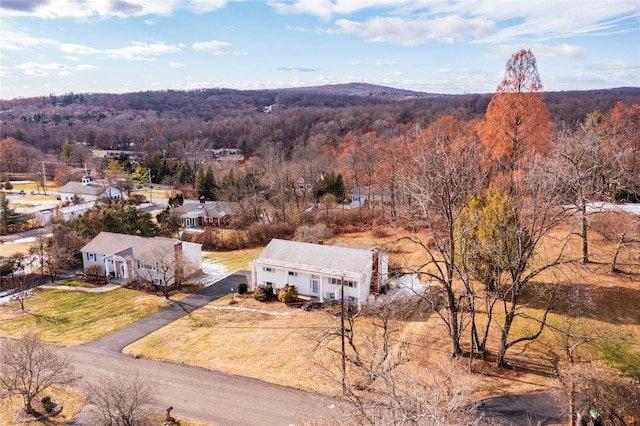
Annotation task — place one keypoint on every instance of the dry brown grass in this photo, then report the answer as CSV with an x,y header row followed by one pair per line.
x,y
246,343
71,400
7,250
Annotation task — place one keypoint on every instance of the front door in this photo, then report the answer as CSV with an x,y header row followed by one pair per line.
x,y
315,285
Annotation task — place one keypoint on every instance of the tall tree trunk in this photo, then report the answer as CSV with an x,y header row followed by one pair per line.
x,y
453,324
504,335
614,262
583,231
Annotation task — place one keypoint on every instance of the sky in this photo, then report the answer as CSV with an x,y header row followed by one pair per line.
x,y
452,47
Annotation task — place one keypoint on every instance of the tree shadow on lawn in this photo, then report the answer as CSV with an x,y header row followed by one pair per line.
x,y
615,304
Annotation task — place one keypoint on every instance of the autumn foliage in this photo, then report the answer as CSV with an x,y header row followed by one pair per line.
x,y
516,124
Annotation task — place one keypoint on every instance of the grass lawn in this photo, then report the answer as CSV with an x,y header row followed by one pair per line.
x,y
71,400
29,186
68,318
234,260
7,250
246,343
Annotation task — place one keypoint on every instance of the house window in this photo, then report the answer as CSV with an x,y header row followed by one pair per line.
x,y
331,296
347,283
267,269
146,264
293,274
158,281
91,256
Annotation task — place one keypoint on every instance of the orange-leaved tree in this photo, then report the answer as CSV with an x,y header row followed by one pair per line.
x,y
516,122
622,141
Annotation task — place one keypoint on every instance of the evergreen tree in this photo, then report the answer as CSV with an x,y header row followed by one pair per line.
x,y
8,216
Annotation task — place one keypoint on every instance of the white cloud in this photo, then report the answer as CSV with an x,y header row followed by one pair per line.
x,y
328,8
562,52
71,58
607,66
213,46
137,51
141,51
40,70
104,9
78,49
85,67
176,65
13,40
383,63
65,73
409,32
296,28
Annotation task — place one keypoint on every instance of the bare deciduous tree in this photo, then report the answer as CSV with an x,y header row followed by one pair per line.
x,y
594,390
617,227
444,169
120,400
579,165
379,386
165,269
28,367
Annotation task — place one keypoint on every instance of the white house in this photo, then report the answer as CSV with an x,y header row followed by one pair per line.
x,y
369,196
88,191
321,271
45,217
125,258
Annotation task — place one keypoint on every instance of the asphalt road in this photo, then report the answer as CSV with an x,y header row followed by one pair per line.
x,y
202,395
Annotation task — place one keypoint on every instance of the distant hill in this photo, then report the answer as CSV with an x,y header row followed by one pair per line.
x,y
357,89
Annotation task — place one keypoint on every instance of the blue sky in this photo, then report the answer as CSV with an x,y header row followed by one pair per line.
x,y
117,46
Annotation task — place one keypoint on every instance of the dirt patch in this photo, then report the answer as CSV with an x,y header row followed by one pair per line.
x,y
39,412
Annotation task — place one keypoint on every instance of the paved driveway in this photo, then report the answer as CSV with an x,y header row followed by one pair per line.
x,y
526,409
116,342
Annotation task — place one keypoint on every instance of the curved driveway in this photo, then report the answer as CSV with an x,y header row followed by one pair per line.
x,y
195,393
118,340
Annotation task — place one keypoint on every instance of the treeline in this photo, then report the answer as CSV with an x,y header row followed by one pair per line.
x,y
172,122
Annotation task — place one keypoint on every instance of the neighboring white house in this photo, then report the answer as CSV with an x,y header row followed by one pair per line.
x,y
321,271
213,213
128,257
88,191
45,217
369,196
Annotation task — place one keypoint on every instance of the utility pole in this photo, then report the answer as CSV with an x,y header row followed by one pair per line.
x,y
44,179
150,192
344,363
